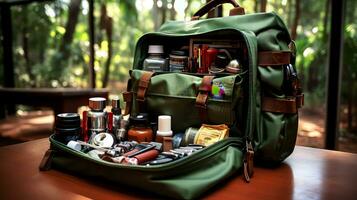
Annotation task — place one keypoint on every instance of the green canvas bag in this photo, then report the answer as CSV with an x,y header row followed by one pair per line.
x,y
260,106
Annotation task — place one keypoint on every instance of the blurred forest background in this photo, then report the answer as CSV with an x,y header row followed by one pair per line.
x,y
51,43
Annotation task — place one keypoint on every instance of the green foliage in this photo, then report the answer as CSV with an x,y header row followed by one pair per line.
x,y
43,24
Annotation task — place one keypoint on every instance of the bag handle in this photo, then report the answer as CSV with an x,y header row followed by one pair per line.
x,y
237,10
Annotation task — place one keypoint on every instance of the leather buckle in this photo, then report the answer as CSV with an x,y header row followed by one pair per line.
x,y
248,163
201,101
144,84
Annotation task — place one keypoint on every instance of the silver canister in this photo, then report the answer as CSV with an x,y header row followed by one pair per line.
x,y
116,118
97,117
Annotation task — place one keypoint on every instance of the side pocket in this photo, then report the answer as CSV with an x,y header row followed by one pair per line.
x,y
277,120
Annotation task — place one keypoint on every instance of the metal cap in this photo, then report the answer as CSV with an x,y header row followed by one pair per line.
x,y
156,49
116,102
97,103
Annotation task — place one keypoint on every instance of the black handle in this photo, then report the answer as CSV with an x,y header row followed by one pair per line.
x,y
214,3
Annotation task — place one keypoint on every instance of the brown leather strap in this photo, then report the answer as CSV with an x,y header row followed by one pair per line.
x,y
282,105
271,58
236,11
144,83
128,99
201,99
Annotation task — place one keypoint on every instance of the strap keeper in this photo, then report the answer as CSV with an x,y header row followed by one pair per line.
x,y
204,88
279,105
144,84
300,100
201,101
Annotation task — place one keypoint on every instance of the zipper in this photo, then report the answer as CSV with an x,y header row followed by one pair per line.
x,y
248,150
196,157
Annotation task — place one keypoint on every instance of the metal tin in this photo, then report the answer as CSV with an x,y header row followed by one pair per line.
x,y
178,61
97,103
189,136
97,121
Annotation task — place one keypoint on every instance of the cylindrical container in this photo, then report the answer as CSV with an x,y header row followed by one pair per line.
x,y
189,137
97,117
164,127
178,61
116,117
103,140
155,61
74,145
177,140
67,127
140,130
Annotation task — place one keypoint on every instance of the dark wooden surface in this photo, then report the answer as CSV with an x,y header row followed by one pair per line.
x,y
307,174
59,99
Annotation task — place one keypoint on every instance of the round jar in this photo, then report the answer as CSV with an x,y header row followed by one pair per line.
x,y
178,61
140,130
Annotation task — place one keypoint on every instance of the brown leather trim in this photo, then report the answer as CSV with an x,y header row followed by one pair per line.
x,y
279,105
271,58
143,85
236,11
300,100
202,96
128,99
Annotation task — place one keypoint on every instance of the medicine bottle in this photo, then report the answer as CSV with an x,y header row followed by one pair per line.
x,y
155,61
140,130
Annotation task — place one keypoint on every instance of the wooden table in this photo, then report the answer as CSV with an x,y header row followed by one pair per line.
x,y
307,174
59,99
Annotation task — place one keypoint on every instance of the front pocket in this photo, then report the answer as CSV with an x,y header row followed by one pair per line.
x,y
175,94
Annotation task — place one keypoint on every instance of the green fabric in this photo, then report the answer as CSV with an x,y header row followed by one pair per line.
x,y
273,134
186,178
175,94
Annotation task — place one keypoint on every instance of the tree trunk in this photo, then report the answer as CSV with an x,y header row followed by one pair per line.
x,y
163,11
25,47
109,30
325,27
188,8
155,11
73,11
290,12
296,20
350,106
106,24
263,5
256,5
172,11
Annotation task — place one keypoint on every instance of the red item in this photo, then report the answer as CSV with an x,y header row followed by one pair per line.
x,y
147,156
85,126
110,122
210,57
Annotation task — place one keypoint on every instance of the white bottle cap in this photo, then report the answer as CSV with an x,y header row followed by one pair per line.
x,y
74,145
158,49
164,126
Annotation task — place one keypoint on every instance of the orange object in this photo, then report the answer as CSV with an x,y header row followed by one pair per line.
x,y
140,134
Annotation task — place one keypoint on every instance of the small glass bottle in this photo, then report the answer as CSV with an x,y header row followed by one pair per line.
x,y
140,130
155,61
116,118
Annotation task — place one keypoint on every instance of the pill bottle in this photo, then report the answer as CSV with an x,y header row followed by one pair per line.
x,y
140,129
155,61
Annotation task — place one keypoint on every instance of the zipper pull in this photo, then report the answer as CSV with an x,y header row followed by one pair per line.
x,y
248,162
46,161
